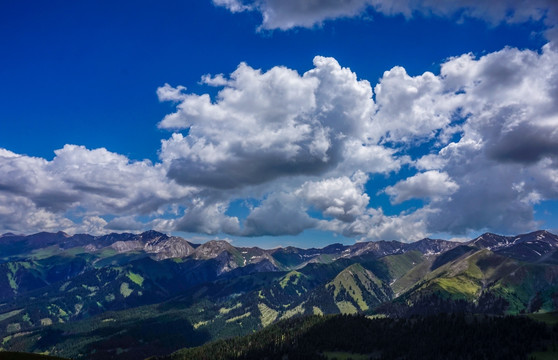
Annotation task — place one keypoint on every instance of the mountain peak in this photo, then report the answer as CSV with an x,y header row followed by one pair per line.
x,y
212,248
217,243
429,246
151,234
492,241
8,234
539,235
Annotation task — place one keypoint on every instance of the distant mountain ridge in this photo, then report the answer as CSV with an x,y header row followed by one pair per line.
x,y
154,242
60,291
162,246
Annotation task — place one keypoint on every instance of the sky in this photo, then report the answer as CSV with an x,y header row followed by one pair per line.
x,y
279,122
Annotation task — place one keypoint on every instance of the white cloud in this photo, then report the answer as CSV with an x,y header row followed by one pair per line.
x,y
80,183
246,99
412,108
506,158
233,5
110,182
256,131
300,143
430,162
341,198
370,158
217,80
125,223
169,93
279,214
94,225
287,14
274,124
19,214
272,134
432,185
265,135
405,227
510,96
207,219
375,225
505,161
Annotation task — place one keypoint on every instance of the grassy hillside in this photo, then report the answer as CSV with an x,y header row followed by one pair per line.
x,y
109,305
469,279
356,289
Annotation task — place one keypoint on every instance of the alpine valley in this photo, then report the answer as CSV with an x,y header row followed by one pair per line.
x,y
131,296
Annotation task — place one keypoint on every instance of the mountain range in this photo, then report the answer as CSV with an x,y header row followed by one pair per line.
x,y
129,296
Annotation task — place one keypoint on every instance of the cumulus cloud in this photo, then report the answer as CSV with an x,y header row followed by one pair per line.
x,y
405,227
487,199
207,219
503,108
297,144
18,213
374,225
124,223
412,108
341,198
217,80
268,125
277,126
279,214
90,225
506,156
428,185
83,183
510,95
269,134
287,14
526,143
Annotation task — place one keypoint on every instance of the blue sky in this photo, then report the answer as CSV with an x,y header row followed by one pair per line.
x,y
415,120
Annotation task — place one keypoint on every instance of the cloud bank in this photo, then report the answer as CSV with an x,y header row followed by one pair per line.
x,y
302,148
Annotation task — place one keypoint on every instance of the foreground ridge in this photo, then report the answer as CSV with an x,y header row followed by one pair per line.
x,y
464,337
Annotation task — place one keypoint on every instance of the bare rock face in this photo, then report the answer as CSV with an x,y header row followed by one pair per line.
x,y
171,247
493,242
227,256
90,247
535,246
265,265
212,249
497,242
376,248
127,246
431,246
157,244
226,262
